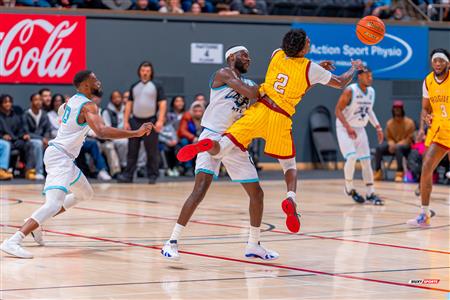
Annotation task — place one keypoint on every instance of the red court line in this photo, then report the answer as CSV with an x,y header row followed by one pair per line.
x,y
244,227
244,261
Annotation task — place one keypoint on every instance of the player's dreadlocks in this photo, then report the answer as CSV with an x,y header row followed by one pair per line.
x,y
293,42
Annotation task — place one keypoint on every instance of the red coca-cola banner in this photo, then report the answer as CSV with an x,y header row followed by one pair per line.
x,y
41,48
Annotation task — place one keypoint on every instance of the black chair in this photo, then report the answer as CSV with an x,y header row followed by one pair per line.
x,y
323,138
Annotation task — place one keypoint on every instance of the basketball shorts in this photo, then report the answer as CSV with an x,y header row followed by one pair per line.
x,y
239,164
261,121
348,146
62,172
438,134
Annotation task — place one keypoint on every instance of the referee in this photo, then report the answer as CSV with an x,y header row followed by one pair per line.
x,y
147,103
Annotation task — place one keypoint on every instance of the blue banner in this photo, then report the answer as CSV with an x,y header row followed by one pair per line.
x,y
402,54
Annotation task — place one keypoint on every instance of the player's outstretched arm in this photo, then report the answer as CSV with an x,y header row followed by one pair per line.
x,y
228,77
341,81
96,123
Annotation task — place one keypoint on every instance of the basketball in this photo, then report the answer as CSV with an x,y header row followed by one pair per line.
x,y
370,30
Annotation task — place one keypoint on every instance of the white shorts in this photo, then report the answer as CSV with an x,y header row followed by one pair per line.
x,y
62,172
359,146
239,164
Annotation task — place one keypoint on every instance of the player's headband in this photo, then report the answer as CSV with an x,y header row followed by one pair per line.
x,y
234,50
439,55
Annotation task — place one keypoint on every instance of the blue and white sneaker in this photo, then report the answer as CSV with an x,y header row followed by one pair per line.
x,y
421,221
170,250
258,251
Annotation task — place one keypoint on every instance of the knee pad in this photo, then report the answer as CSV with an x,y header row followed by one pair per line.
x,y
53,203
288,164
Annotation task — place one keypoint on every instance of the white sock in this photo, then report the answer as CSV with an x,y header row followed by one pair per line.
x,y
176,232
291,195
253,237
349,185
426,210
370,189
17,237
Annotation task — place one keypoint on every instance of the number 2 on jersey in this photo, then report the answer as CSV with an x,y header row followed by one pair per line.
x,y
280,84
444,111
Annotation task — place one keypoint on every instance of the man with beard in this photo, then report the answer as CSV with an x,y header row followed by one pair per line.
x,y
230,94
435,112
289,76
80,115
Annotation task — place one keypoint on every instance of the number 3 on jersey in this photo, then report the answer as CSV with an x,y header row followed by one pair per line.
x,y
280,84
444,111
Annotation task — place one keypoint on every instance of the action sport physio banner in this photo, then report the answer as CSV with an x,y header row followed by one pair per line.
x,y
41,48
402,54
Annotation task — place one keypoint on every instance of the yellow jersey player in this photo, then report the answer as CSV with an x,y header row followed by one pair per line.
x,y
289,76
436,113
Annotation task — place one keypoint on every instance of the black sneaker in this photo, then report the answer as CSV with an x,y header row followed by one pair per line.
x,y
374,199
122,178
355,196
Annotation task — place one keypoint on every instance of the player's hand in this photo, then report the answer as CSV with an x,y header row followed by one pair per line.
x,y
145,129
428,119
327,65
352,133
380,135
357,64
159,125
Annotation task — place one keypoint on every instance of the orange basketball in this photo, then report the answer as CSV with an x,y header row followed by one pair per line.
x,y
370,30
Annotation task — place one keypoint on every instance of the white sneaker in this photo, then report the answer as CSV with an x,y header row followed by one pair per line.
x,y
38,235
14,249
103,176
258,251
40,177
170,250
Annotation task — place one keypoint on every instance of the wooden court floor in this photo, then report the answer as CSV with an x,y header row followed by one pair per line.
x,y
109,248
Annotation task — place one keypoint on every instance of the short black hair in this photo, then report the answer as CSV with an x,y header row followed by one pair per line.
x,y
41,91
32,96
293,42
112,93
146,63
365,69
172,103
80,77
440,50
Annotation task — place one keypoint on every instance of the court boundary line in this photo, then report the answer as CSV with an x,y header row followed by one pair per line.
x,y
224,258
243,227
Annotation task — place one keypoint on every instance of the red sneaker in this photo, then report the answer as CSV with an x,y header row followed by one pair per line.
x,y
190,151
292,217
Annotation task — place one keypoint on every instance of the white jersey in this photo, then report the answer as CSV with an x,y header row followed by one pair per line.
x,y
358,111
226,106
71,134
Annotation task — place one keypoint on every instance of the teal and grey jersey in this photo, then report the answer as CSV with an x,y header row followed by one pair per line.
x,y
360,109
225,107
71,134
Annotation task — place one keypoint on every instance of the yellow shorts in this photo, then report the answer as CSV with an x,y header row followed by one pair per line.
x,y
439,135
260,121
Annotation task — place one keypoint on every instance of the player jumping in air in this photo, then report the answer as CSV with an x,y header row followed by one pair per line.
x,y
230,94
289,76
80,115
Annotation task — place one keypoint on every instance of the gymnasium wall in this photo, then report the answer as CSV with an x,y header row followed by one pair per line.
x,y
118,42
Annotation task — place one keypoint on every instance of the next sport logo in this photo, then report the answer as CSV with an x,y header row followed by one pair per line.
x,y
424,281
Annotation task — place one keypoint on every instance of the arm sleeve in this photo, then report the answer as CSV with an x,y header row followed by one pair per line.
x,y
373,118
161,96
425,90
317,74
